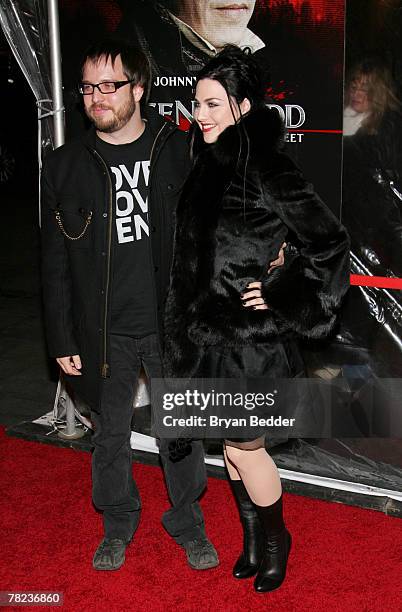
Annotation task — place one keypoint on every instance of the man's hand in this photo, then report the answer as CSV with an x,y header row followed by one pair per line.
x,y
279,261
70,365
252,297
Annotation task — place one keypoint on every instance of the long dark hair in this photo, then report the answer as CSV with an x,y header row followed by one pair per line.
x,y
241,77
239,74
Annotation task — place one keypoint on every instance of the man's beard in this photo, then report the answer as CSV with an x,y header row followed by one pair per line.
x,y
117,121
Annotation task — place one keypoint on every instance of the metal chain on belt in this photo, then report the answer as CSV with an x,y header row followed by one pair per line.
x,y
60,224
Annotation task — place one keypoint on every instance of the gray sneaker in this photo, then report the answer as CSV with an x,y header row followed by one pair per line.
x,y
201,554
110,554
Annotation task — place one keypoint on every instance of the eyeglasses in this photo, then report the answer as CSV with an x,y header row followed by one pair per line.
x,y
107,87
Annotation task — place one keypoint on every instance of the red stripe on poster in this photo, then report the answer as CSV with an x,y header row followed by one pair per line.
x,y
316,131
381,282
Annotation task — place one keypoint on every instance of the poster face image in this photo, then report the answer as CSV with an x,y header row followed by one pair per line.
x,y
218,22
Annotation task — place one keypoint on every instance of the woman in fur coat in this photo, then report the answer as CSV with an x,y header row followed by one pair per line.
x,y
225,315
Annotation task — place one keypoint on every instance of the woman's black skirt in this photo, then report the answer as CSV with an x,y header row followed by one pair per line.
x,y
278,359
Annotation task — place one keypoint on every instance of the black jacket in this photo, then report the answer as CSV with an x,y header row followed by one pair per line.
x,y
78,189
242,199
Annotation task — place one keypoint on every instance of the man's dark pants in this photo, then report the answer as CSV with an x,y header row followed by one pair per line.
x,y
113,488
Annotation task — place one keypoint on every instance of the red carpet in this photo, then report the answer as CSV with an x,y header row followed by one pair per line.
x,y
343,558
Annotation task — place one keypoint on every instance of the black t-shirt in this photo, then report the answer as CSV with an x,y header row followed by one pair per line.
x,y
132,302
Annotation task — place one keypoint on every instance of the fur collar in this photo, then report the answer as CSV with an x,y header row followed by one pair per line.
x,y
258,133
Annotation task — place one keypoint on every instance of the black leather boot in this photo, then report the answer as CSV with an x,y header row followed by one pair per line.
x,y
249,560
276,547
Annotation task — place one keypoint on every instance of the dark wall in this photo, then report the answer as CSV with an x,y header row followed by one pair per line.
x,y
374,28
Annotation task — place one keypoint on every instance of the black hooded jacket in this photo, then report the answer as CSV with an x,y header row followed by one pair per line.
x,y
78,199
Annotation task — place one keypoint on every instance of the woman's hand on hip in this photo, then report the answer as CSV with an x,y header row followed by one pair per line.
x,y
252,297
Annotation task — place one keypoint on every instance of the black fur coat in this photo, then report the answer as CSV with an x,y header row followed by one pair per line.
x,y
241,201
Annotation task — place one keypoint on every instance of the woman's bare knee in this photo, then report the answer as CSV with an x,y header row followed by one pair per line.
x,y
240,458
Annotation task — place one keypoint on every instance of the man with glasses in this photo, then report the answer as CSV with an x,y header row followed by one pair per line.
x,y
107,235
